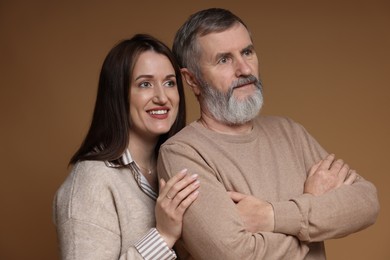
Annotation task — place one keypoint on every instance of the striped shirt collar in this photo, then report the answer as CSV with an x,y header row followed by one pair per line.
x,y
127,161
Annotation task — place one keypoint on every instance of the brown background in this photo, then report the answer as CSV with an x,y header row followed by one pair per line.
x,y
326,65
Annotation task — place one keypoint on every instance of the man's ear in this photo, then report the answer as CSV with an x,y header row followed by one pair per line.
x,y
191,81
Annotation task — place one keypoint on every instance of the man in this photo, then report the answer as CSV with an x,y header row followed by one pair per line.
x,y
286,194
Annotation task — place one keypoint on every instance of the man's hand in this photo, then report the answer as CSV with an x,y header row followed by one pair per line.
x,y
257,215
328,174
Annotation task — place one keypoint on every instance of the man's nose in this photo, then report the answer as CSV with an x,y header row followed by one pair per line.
x,y
242,67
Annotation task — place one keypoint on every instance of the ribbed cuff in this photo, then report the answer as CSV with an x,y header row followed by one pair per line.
x,y
288,219
153,247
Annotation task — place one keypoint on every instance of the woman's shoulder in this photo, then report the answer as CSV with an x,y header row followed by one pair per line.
x,y
89,176
88,187
93,171
85,174
86,198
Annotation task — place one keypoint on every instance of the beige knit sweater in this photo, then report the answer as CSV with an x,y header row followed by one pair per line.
x,y
100,213
270,163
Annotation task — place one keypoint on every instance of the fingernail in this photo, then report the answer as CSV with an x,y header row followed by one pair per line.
x,y
183,172
194,176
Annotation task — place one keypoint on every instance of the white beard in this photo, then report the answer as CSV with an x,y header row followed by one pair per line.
x,y
226,108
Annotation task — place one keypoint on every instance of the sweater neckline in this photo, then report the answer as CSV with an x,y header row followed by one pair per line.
x,y
240,138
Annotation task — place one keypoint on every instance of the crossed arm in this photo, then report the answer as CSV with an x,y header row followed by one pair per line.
x,y
212,227
330,201
326,179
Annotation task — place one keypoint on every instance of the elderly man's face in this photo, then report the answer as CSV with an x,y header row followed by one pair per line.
x,y
227,56
231,91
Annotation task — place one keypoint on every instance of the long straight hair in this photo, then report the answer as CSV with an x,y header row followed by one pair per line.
x,y
108,135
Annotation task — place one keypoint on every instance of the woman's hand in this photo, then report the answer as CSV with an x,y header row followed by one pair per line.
x,y
174,198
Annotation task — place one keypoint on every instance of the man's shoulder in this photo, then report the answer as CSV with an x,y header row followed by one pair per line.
x,y
188,133
274,121
279,126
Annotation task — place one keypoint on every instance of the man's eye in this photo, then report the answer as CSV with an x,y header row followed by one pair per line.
x,y
248,52
223,60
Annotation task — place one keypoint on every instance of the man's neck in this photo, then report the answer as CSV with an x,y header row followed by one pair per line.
x,y
223,128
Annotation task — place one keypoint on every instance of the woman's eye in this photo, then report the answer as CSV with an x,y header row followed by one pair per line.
x,y
144,84
170,83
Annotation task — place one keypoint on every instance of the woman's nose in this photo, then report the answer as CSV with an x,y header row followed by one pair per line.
x,y
160,96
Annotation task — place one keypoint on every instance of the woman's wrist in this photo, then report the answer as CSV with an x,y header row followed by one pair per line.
x,y
169,240
153,239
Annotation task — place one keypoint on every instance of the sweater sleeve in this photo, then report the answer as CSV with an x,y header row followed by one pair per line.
x,y
212,227
335,214
81,240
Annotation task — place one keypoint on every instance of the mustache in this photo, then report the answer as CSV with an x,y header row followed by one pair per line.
x,y
250,79
247,80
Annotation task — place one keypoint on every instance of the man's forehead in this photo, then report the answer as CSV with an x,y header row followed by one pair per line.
x,y
236,38
212,50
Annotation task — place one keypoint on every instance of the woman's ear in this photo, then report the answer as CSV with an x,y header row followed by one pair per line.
x,y
191,81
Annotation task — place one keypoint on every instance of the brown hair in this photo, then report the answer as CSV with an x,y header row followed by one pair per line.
x,y
108,135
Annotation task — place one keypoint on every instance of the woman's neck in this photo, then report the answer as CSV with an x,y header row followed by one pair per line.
x,y
142,150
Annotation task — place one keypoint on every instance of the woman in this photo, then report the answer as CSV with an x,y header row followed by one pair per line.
x,y
106,208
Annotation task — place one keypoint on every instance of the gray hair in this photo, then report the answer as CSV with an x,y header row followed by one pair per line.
x,y
225,108
185,45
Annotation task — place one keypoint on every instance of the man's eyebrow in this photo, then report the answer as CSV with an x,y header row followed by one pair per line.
x,y
227,54
221,55
249,47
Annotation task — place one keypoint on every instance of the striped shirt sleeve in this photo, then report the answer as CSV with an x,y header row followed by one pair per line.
x,y
153,247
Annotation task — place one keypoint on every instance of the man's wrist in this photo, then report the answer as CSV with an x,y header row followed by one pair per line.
x,y
287,217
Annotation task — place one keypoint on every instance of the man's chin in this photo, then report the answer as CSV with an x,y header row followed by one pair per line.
x,y
243,93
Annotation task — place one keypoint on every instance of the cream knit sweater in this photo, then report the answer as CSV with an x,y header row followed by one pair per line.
x,y
100,213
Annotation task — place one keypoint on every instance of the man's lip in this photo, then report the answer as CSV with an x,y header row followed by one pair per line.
x,y
243,85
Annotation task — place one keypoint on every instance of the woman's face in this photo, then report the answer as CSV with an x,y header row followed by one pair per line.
x,y
154,97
